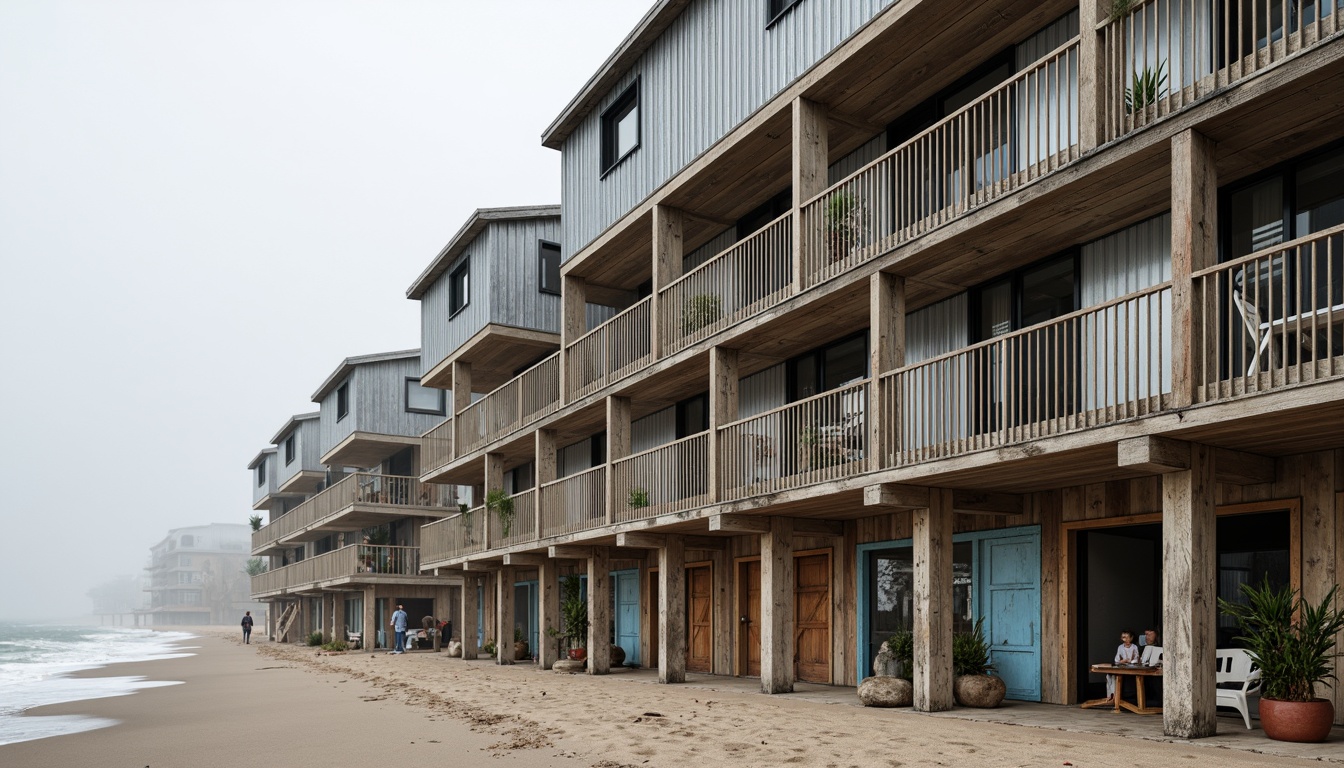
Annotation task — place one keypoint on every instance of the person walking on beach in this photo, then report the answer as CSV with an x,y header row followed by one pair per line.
x,y
399,626
247,626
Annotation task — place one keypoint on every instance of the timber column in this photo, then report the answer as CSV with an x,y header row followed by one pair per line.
x,y
1091,75
668,254
573,324
599,612
672,610
461,398
723,403
1189,598
886,328
337,616
469,605
548,612
504,616
1194,246
618,447
811,160
777,620
933,603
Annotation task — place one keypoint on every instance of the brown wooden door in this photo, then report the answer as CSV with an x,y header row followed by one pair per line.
x,y
699,618
749,618
812,617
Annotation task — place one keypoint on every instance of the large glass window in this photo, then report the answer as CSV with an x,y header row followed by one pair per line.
x,y
620,128
548,267
891,584
421,399
459,287
1296,200
829,367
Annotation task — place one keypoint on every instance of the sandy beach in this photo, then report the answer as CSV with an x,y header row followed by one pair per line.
x,y
288,706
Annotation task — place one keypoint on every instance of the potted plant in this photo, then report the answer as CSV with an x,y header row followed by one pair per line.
x,y
639,498
700,311
489,647
972,684
574,612
1147,86
255,522
1292,642
500,503
844,218
520,649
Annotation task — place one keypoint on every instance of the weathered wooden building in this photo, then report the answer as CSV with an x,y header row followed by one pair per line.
x,y
915,314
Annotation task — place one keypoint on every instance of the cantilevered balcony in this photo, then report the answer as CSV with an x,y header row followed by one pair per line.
x,y
358,501
355,564
518,402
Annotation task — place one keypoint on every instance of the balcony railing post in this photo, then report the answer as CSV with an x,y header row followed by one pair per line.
x,y
886,307
461,399
1194,227
1091,75
723,403
811,158
668,255
573,324
618,447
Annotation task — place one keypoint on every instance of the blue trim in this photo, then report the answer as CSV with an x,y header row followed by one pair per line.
x,y
863,665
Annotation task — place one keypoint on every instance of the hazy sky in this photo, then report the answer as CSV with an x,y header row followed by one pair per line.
x,y
204,207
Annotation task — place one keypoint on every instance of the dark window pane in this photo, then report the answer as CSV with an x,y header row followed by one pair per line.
x,y
1257,217
1047,292
1320,194
995,304
845,363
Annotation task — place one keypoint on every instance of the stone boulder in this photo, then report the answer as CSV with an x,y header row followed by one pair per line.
x,y
569,666
983,691
885,664
455,649
886,691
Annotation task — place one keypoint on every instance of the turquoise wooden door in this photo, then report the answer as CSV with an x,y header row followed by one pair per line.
x,y
1009,579
625,613
480,616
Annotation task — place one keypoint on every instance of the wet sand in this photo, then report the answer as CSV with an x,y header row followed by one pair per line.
x,y
287,706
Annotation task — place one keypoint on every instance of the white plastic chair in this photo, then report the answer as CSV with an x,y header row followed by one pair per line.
x,y
1235,666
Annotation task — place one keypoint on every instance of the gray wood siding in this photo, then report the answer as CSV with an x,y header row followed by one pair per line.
x,y
515,277
440,334
263,489
710,70
377,404
307,436
333,431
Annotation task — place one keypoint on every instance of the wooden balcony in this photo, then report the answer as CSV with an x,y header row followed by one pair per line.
x,y
575,503
668,478
455,536
610,352
531,395
437,447
358,501
357,563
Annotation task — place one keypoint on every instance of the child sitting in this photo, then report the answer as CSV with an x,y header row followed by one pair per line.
x,y
1126,653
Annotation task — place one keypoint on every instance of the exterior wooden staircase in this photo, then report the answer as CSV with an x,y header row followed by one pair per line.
x,y
287,620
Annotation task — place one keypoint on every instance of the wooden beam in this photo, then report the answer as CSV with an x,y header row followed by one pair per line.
x,y
733,523
468,606
1152,453
1194,246
548,612
569,552
599,612
777,594
705,542
528,559
641,540
1241,468
723,402
933,603
672,611
504,617
858,124
896,496
986,503
481,566
1189,597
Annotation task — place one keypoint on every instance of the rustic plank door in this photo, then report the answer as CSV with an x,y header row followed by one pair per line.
x,y
749,618
812,616
699,617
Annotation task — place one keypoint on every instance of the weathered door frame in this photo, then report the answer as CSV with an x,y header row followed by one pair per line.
x,y
689,567
739,610
829,552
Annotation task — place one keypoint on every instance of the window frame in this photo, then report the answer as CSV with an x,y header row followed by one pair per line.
x,y
261,474
461,270
406,398
974,306
818,357
343,400
1287,172
608,160
772,16
290,451
542,247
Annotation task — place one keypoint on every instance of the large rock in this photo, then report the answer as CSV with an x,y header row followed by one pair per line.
x,y
885,664
569,666
454,649
886,691
984,691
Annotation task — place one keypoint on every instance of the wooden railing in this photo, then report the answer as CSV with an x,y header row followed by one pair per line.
x,y
753,275
461,534
668,478
1095,366
574,503
1165,54
357,488
609,352
518,402
1271,319
1021,130
815,440
354,560
521,527
437,447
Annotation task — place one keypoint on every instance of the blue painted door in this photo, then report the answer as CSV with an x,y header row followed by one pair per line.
x,y
1009,575
480,616
625,613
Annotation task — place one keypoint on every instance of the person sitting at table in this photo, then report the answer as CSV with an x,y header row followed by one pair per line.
x,y
1126,653
1152,657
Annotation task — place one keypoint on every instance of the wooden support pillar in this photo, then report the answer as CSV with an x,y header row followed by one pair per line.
x,y
1091,75
599,612
369,638
461,397
1189,597
933,603
723,400
547,466
504,616
337,616
886,329
618,446
573,324
470,605
777,620
668,253
672,610
1194,246
493,481
811,160
548,612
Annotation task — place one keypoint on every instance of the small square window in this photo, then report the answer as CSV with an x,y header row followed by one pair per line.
x,y
342,401
548,256
459,288
425,399
289,450
620,128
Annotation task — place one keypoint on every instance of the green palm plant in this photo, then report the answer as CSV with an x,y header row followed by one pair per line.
x,y
255,522
501,504
970,651
1288,638
1148,86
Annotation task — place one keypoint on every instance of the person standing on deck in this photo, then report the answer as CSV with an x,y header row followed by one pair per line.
x,y
247,627
399,627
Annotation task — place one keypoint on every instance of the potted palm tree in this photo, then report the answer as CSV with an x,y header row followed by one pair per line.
x,y
972,684
574,612
1292,642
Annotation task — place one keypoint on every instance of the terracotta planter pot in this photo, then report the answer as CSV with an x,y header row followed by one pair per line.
x,y
984,691
1301,721
520,651
578,654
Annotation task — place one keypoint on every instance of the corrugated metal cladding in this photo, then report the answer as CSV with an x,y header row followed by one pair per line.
x,y
440,334
377,404
1130,260
936,329
515,274
708,71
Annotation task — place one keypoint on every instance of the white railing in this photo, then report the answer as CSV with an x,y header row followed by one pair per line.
x,y
532,394
1095,366
1021,130
611,351
575,503
668,478
753,275
1165,54
818,439
1271,319
461,534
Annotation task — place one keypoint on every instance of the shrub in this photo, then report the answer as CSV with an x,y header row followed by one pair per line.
x,y
335,645
639,498
315,639
970,651
1289,639
902,646
700,311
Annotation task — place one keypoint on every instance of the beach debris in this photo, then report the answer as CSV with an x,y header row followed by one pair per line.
x,y
653,714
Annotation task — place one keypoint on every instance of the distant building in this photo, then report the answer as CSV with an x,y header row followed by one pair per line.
x,y
118,599
198,575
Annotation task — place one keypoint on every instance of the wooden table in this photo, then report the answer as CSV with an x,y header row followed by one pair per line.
x,y
1138,672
